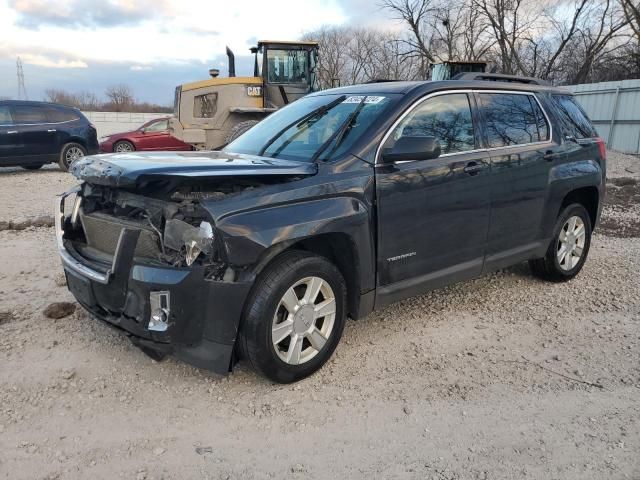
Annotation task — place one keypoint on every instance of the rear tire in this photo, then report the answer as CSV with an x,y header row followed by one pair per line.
x,y
123,146
569,246
239,129
294,317
32,167
69,154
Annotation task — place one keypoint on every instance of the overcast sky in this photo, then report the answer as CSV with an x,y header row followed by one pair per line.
x,y
151,45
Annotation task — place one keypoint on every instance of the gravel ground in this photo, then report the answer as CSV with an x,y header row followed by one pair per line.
x,y
504,376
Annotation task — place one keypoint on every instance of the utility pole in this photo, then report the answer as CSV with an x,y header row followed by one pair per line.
x,y
22,90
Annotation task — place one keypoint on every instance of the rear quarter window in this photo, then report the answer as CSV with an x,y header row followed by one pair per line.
x,y
573,120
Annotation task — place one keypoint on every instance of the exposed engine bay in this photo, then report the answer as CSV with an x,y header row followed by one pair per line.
x,y
174,227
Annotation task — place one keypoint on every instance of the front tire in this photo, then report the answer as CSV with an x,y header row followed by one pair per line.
x,y
69,154
123,146
569,247
295,317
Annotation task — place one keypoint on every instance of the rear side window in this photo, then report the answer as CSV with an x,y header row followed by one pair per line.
x,y
444,117
573,120
5,116
513,119
25,114
59,115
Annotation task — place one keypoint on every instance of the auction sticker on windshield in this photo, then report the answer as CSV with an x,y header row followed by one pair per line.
x,y
358,99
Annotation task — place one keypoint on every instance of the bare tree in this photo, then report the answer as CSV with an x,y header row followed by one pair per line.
x,y
416,14
632,13
120,96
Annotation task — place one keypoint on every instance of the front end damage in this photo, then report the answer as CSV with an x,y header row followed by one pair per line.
x,y
153,265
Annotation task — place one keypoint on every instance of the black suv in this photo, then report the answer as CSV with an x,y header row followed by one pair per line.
x,y
35,133
341,202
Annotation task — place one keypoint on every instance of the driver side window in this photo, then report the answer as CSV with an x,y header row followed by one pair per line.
x,y
160,126
447,118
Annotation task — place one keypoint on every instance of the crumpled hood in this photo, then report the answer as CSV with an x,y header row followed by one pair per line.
x,y
127,169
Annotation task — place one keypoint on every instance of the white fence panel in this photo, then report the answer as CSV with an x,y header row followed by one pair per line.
x,y
614,109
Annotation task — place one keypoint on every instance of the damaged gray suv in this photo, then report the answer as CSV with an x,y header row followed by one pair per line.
x,y
340,203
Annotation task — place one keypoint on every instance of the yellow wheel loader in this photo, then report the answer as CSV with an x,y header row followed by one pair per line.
x,y
211,113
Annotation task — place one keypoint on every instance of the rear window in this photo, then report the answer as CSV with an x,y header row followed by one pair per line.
x,y
513,119
26,114
58,115
5,116
572,118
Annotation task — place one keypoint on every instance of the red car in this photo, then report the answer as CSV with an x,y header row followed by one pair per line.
x,y
153,135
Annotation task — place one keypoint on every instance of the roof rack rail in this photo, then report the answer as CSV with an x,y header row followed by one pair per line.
x,y
499,77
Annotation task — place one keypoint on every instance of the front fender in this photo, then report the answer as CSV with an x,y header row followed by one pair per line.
x,y
252,238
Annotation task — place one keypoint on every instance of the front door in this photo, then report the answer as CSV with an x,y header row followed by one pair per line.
x,y
155,136
433,215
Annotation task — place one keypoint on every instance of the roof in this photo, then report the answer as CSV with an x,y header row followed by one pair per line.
x,y
402,87
34,102
288,42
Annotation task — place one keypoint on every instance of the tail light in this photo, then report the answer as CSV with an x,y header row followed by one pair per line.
x,y
602,147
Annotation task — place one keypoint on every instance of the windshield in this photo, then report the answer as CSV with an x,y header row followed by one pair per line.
x,y
313,128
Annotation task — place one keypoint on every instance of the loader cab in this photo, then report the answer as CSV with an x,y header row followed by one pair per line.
x,y
288,70
210,113
448,70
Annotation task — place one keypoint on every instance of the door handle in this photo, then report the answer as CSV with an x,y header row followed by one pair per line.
x,y
12,132
473,168
51,130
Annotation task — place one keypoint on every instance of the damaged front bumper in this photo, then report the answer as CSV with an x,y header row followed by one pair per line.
x,y
165,310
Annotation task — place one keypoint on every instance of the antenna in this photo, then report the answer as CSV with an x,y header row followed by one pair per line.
x,y
22,90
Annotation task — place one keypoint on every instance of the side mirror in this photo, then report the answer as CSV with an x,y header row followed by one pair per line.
x,y
142,130
412,148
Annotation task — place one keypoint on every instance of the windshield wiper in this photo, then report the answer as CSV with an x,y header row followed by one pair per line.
x,y
340,133
299,121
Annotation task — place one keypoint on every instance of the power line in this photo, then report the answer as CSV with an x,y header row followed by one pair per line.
x,y
22,90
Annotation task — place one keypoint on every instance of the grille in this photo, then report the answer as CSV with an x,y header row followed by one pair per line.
x,y
103,231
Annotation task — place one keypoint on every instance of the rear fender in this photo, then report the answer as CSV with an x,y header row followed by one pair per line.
x,y
565,178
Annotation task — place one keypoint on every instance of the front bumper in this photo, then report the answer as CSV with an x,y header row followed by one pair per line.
x,y
203,316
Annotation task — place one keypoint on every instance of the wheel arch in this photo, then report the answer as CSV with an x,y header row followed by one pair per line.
x,y
337,247
589,197
74,139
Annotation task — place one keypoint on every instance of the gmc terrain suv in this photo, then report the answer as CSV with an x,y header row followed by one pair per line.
x,y
35,133
340,203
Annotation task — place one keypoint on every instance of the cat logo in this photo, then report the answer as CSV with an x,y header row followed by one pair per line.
x,y
254,90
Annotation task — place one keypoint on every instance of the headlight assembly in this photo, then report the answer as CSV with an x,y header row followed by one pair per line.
x,y
195,240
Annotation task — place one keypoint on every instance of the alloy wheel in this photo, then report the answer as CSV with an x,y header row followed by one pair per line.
x,y
72,154
123,147
304,320
571,243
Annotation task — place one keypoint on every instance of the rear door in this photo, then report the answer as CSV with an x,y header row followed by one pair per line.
x,y
519,138
433,215
10,146
38,136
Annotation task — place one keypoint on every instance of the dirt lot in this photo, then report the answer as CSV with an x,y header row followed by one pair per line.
x,y
501,377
